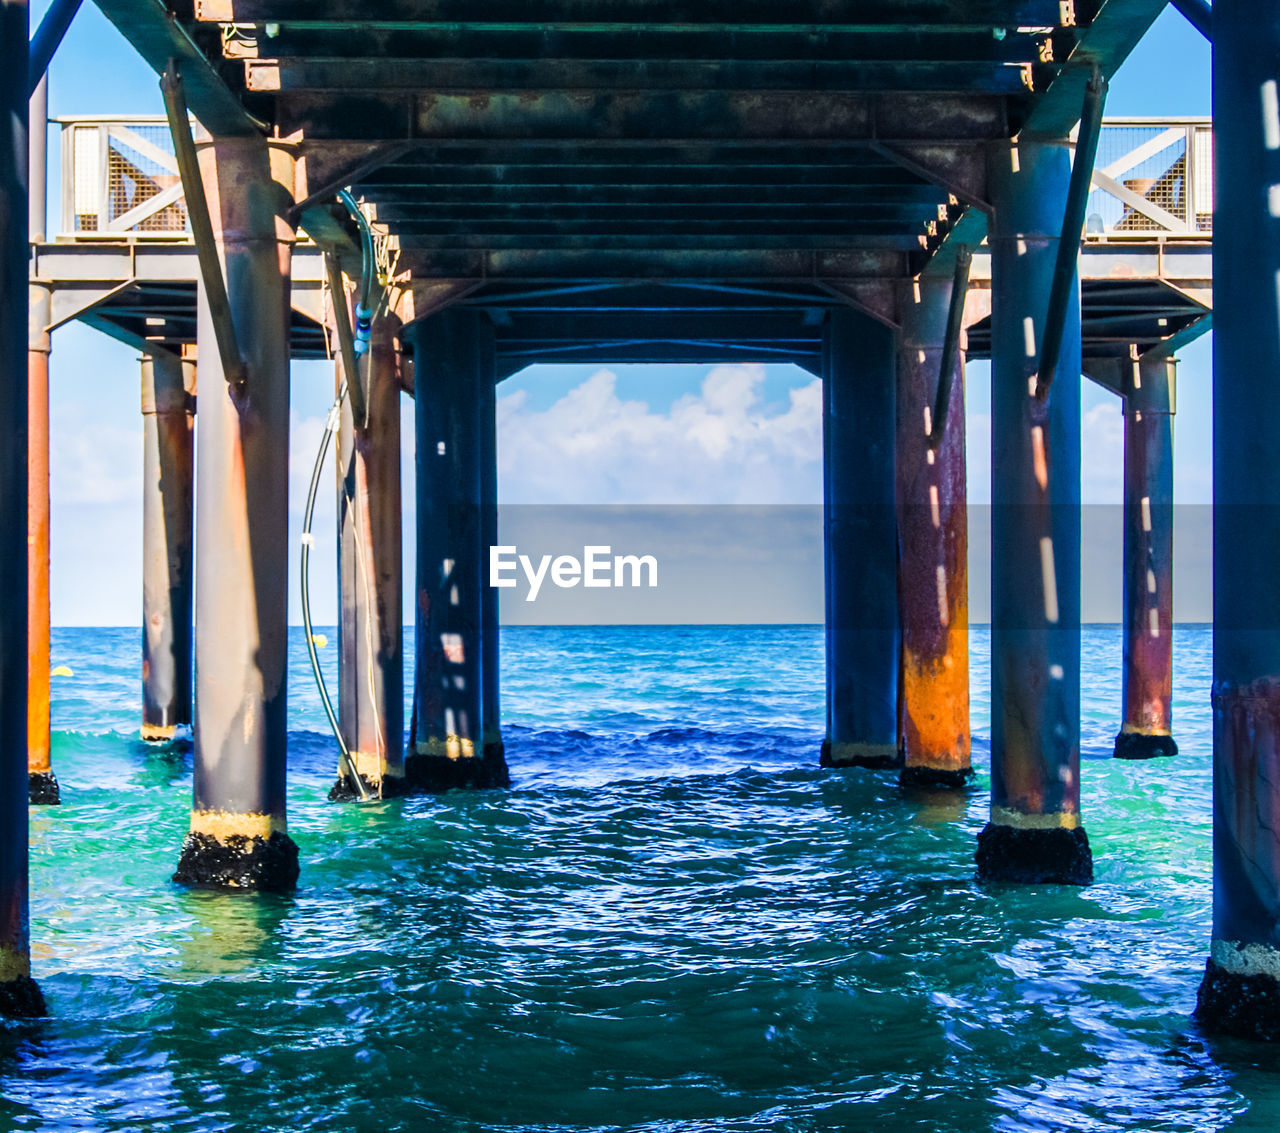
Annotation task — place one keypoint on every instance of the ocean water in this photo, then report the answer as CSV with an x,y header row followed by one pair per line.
x,y
675,921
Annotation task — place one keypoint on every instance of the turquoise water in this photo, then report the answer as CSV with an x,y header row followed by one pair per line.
x,y
674,922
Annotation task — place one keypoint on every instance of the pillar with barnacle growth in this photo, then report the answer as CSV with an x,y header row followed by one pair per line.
x,y
453,363
1147,676
238,836
370,629
168,408
1034,833
933,583
1240,994
861,542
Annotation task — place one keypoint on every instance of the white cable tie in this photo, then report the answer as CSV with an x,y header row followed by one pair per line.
x,y
308,540
334,420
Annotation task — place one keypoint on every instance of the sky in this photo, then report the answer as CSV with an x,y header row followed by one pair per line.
x,y
648,435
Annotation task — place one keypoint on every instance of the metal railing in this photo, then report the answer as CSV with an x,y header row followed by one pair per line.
x,y
1153,178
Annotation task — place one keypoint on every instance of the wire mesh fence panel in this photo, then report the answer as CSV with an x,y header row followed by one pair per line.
x,y
121,178
1152,177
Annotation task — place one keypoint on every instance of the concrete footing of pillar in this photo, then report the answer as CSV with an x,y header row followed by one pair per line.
x,y
1240,998
879,756
1034,856
238,852
1143,745
428,773
20,995
42,788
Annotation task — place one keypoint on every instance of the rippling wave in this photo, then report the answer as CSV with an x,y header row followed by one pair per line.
x,y
675,921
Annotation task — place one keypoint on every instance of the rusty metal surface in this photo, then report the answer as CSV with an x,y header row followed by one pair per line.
x,y
370,625
933,539
1147,673
1035,541
37,529
242,502
168,405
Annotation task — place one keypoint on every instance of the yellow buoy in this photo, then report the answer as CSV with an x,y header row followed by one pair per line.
x,y
62,671
320,640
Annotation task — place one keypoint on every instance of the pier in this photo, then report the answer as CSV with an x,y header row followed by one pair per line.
x,y
438,194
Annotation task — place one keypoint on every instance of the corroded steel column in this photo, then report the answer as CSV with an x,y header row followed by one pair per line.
x,y
41,783
168,405
933,575
370,629
861,542
238,835
1147,680
453,360
1035,833
18,993
1240,994
490,629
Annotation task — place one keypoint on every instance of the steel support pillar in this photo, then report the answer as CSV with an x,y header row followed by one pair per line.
x,y
370,622
861,542
1035,833
238,836
453,363
42,785
933,574
1147,679
1240,994
18,993
168,406
490,629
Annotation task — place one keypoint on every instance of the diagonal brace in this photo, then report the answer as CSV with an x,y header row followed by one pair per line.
x,y
950,345
346,340
48,38
1065,266
1199,14
175,105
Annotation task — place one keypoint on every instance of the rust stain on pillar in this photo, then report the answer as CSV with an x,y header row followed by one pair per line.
x,y
933,540
42,785
1147,681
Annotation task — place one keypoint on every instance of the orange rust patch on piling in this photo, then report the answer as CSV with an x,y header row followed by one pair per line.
x,y
38,755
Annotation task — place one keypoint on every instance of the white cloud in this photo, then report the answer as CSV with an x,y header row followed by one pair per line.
x,y
720,445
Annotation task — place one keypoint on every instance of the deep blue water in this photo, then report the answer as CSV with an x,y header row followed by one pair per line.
x,y
675,921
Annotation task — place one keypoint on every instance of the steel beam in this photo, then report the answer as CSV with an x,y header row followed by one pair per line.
x,y
494,749
1035,833
1240,994
370,625
238,832
453,361
19,994
861,542
168,477
1147,676
933,584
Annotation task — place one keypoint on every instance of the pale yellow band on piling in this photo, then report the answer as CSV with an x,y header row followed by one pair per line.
x,y
153,732
371,766
451,747
1246,959
14,965
851,753
222,825
1004,816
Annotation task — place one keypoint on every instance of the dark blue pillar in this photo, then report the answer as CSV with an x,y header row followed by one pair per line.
x,y
1241,990
861,542
1035,833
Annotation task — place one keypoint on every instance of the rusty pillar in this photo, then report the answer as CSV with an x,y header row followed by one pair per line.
x,y
1148,560
42,785
860,542
933,580
168,405
1034,834
453,361
238,837
1240,994
370,629
494,748
18,993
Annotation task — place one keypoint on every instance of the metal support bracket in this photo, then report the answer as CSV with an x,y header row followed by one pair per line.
x,y
1064,268
175,105
950,345
346,341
